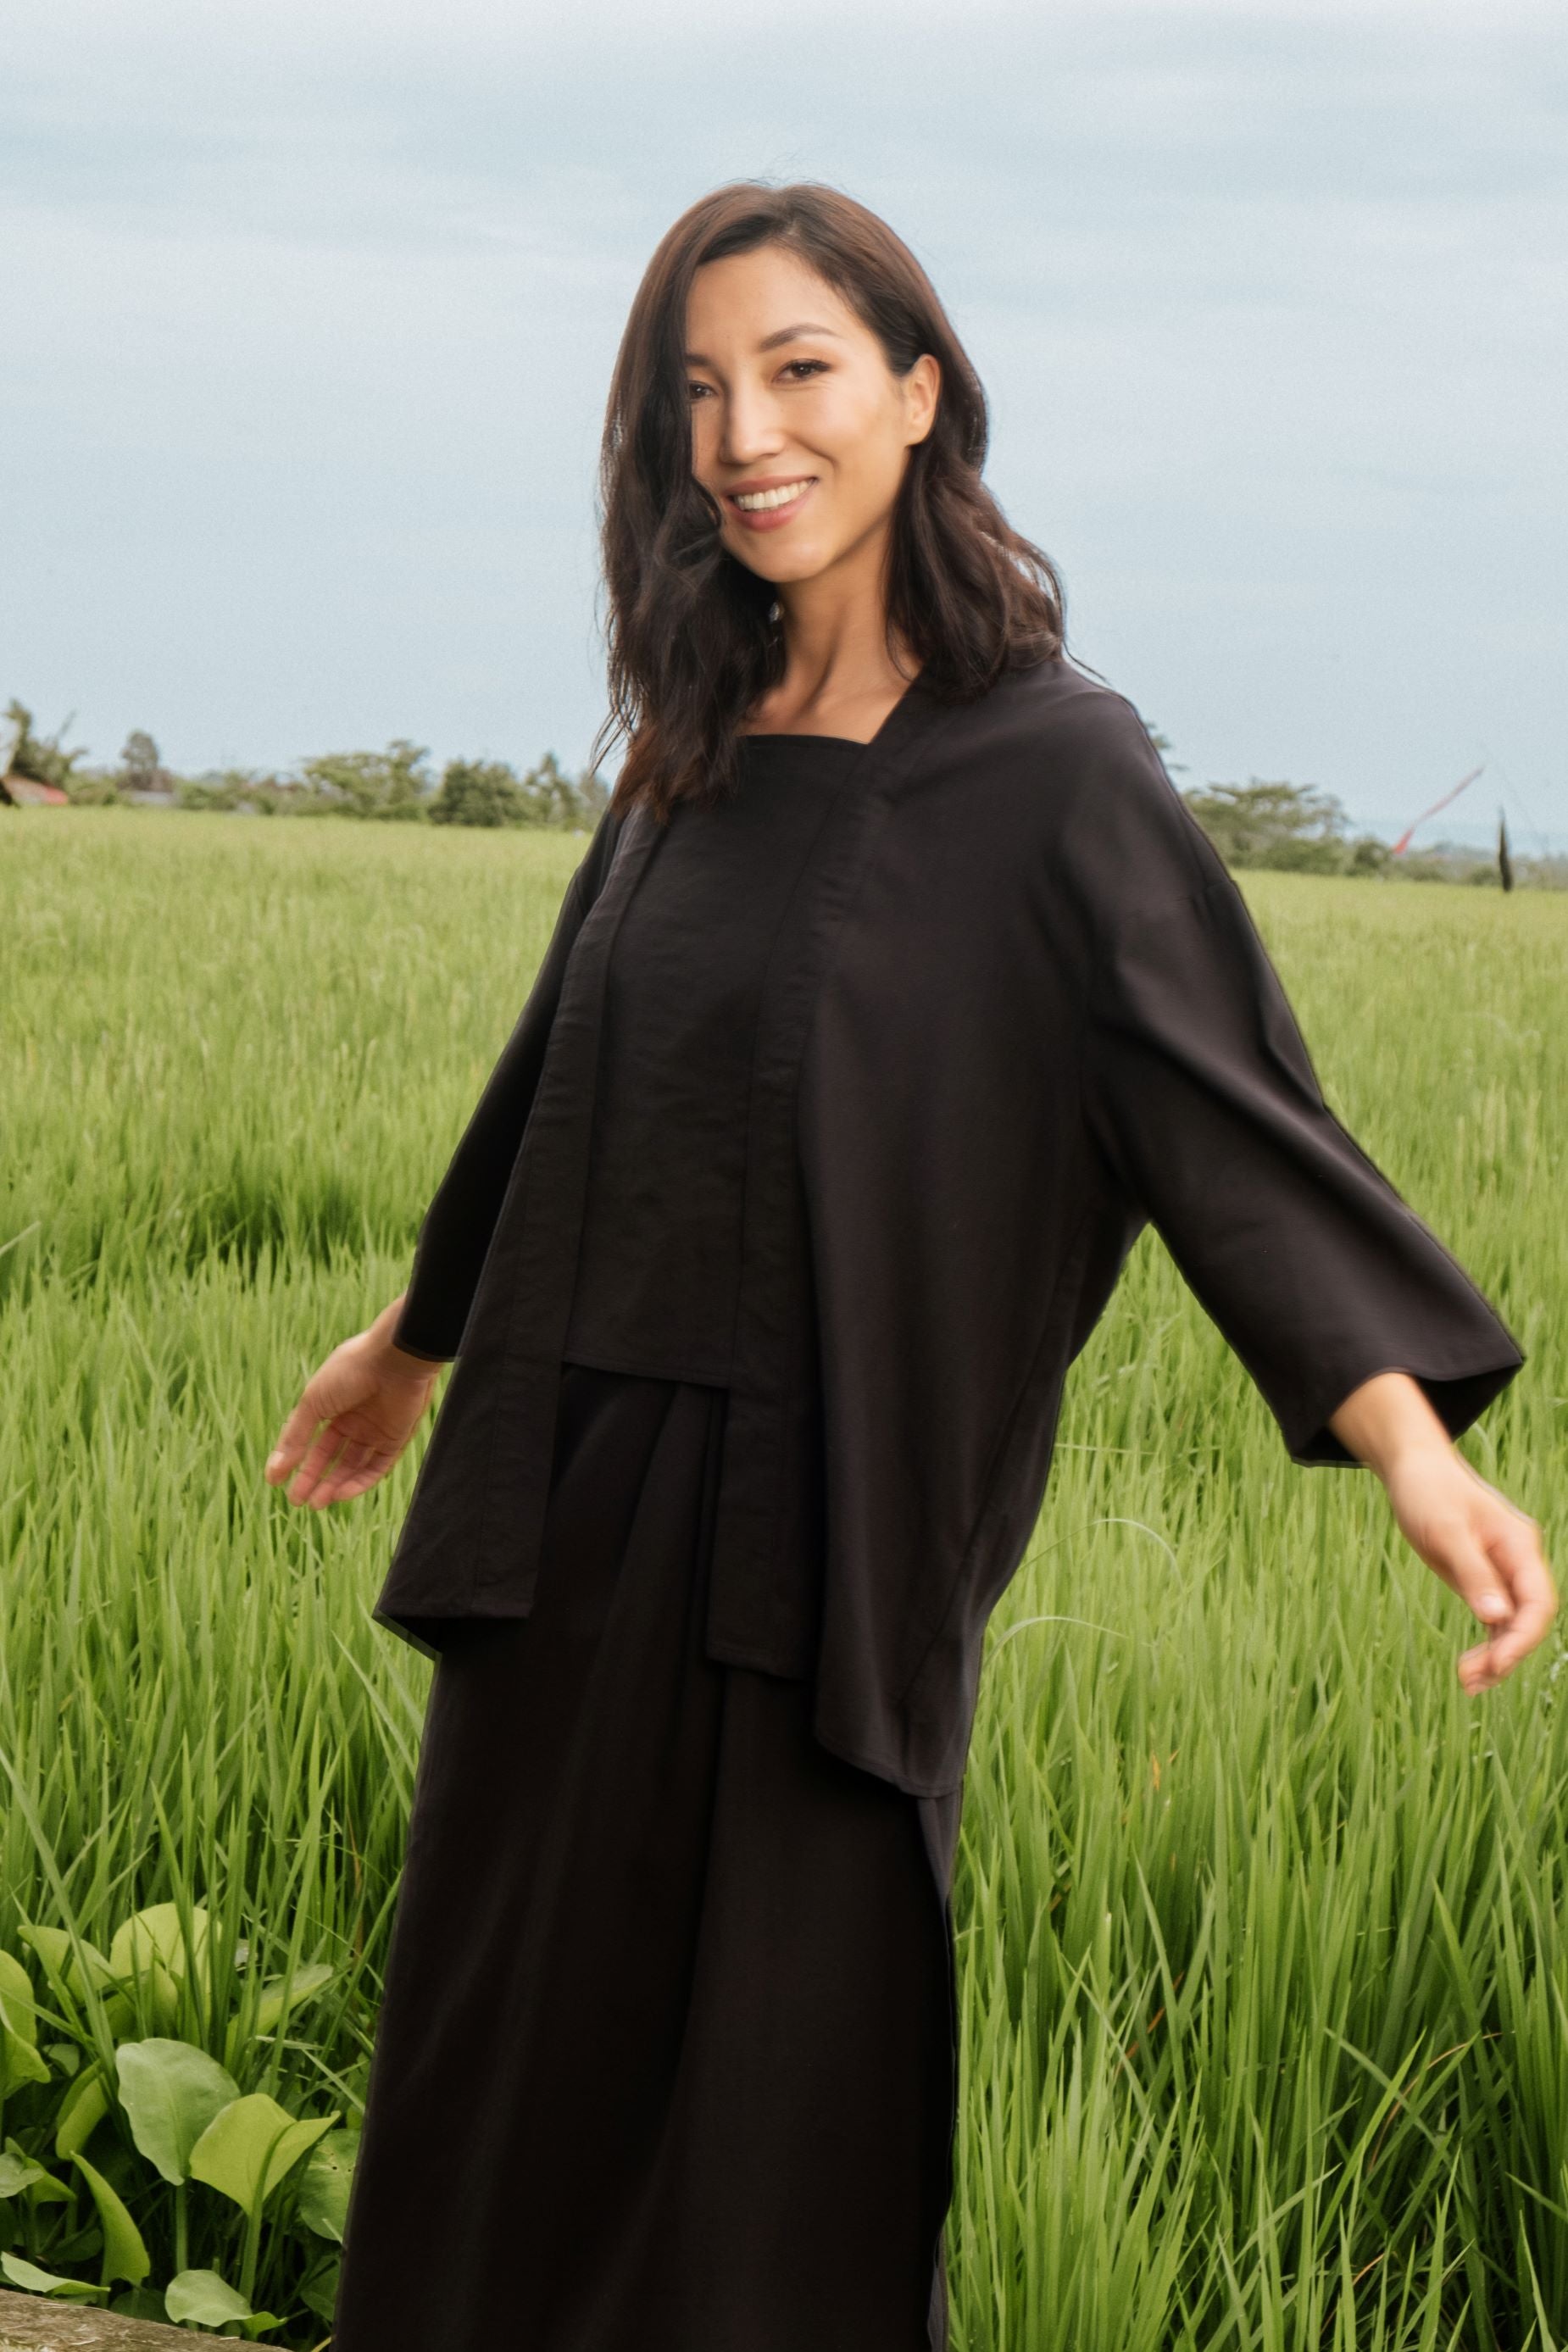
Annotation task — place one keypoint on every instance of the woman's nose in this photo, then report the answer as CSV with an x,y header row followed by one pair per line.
x,y
749,429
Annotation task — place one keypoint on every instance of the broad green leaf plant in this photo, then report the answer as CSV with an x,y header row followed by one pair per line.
x,y
193,2187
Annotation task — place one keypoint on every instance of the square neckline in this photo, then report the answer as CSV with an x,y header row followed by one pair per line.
x,y
848,742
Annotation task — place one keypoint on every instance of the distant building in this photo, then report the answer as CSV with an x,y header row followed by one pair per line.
x,y
22,792
25,791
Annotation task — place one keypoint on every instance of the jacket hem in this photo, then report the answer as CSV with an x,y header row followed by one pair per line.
x,y
409,1622
757,1662
876,1763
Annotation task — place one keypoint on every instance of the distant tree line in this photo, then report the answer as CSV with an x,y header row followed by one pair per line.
x,y
397,786
1295,829
1292,828
1298,829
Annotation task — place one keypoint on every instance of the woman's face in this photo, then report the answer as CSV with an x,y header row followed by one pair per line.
x,y
792,398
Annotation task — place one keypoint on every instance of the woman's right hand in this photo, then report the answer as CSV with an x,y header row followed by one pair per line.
x,y
355,1417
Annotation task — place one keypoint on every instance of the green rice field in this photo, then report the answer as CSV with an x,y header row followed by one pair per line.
x,y
1262,1928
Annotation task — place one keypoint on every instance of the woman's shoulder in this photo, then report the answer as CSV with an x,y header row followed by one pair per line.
x,y
1079,776
588,879
1075,744
1053,716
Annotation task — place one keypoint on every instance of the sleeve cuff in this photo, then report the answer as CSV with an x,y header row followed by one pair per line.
x,y
1458,1397
415,1340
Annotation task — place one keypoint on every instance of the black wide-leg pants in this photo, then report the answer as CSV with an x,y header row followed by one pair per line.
x,y
665,2060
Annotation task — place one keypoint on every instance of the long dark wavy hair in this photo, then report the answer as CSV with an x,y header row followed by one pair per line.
x,y
690,645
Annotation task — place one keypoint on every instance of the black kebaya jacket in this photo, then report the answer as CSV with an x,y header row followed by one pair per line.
x,y
1019,1009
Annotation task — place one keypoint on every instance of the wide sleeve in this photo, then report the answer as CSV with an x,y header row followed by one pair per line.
x,y
457,1228
1200,1095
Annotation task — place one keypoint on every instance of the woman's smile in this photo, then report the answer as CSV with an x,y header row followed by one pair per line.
x,y
765,506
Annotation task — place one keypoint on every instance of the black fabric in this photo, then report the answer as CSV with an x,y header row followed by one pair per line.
x,y
659,1270
666,2061
1208,1106
1013,1007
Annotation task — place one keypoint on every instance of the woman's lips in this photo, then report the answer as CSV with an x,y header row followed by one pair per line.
x,y
771,518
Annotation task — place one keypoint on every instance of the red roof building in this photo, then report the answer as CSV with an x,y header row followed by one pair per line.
x,y
26,792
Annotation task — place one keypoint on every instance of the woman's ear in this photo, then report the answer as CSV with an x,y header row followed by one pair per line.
x,y
922,390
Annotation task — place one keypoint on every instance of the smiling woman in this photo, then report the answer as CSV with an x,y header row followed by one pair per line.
x,y
803,434
794,520
895,992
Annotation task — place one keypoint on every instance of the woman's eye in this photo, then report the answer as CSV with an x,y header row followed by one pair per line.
x,y
696,390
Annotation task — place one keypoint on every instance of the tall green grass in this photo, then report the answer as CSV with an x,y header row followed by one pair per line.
x,y
1261,1927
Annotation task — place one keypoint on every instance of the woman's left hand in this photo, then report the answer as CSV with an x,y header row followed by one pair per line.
x,y
1479,1543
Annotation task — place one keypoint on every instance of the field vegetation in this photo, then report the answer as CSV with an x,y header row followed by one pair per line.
x,y
1261,1921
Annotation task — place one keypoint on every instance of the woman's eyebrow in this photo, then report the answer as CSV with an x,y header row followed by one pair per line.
x,y
781,335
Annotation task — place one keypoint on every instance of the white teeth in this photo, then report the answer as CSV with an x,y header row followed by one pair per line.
x,y
751,500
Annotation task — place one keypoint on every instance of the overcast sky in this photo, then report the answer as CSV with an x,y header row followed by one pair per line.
x,y
308,314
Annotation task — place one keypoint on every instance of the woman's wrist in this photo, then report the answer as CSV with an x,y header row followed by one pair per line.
x,y
1388,1422
401,1360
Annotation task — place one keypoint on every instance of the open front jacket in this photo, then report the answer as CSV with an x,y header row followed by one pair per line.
x,y
1019,1009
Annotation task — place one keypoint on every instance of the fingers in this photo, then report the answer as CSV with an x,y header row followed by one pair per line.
x,y
1486,1547
354,1420
293,1437
361,1478
357,1467
1453,1546
318,1459
1513,1547
336,1468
